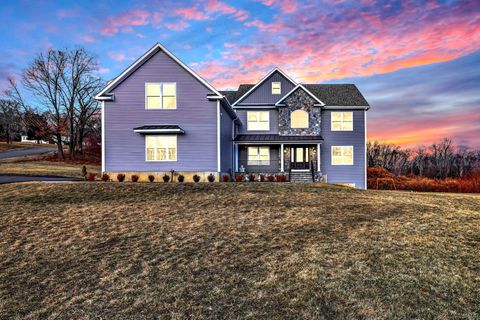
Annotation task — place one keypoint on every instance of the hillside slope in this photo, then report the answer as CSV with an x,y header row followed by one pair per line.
x,y
236,251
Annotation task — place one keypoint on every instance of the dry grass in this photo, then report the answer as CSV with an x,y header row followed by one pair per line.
x,y
236,251
46,168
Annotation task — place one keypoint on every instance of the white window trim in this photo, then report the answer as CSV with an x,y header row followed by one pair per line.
x,y
341,121
279,87
308,119
161,95
341,164
258,117
258,153
162,135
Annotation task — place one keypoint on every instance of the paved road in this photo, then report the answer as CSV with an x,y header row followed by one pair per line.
x,y
25,152
6,178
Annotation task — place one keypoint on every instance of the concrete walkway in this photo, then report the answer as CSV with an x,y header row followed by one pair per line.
x,y
14,153
6,178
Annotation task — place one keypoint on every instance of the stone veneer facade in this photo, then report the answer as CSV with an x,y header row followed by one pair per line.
x,y
299,100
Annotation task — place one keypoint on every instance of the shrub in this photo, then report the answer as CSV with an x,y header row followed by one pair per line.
x,y
226,178
211,178
91,176
135,178
270,178
120,177
281,178
105,177
251,177
166,178
239,178
181,178
196,178
262,177
151,178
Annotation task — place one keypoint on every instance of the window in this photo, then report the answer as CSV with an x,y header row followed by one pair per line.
x,y
160,96
342,155
299,119
342,121
161,148
258,120
258,156
276,87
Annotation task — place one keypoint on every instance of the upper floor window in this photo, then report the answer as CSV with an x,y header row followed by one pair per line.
x,y
160,96
258,156
299,119
161,148
276,87
342,121
342,155
258,120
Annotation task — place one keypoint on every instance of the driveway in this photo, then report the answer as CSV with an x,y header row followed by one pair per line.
x,y
7,178
14,153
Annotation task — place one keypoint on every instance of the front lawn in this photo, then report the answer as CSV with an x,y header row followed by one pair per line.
x,y
46,168
236,251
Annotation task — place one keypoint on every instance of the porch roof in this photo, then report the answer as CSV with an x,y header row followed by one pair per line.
x,y
159,129
276,138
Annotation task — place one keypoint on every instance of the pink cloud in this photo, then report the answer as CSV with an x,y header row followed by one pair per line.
x,y
286,6
88,38
125,21
177,25
116,55
191,13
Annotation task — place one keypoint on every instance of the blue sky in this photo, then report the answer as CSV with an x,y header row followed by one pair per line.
x,y
417,62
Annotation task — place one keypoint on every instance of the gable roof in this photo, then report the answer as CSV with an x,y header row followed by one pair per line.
x,y
276,69
105,93
299,86
338,94
233,96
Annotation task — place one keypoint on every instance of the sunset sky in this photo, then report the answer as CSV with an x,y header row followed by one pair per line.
x,y
416,62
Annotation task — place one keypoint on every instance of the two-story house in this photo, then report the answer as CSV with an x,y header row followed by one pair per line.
x,y
159,115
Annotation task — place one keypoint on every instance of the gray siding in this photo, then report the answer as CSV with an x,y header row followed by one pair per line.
x,y
356,138
242,115
263,93
274,165
197,148
226,138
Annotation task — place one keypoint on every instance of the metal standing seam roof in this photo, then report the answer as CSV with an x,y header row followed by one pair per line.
x,y
159,128
274,138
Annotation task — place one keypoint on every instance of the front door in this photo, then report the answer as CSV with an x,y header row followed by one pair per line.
x,y
300,158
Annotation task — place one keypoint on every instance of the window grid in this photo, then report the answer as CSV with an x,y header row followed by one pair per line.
x,y
258,156
161,148
258,121
342,121
160,96
342,155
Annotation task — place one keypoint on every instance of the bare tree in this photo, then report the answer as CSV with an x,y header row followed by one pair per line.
x,y
10,119
43,78
87,106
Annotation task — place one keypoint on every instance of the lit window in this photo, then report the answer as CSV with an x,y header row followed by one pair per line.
x,y
342,155
160,96
276,87
161,148
299,119
258,156
258,120
342,121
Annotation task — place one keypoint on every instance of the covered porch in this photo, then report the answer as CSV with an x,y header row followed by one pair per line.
x,y
274,154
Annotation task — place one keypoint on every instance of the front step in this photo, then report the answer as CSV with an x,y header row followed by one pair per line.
x,y
300,177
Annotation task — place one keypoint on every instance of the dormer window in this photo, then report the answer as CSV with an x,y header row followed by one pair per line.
x,y
160,96
276,88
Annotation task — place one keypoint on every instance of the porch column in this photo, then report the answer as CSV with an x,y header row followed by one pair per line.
x,y
281,157
318,157
236,157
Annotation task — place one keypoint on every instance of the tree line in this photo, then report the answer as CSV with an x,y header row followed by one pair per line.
x,y
60,85
439,160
